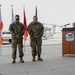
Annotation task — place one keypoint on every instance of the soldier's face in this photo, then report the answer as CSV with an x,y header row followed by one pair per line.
x,y
17,19
73,25
35,19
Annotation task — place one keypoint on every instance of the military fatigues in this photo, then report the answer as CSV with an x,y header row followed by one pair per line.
x,y
17,29
35,43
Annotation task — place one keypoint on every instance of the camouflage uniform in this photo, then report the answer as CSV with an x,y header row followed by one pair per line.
x,y
35,43
17,29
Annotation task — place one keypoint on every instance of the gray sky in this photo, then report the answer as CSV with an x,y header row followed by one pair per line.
x,y
58,12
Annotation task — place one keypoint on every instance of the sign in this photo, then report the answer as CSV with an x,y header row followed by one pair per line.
x,y
69,37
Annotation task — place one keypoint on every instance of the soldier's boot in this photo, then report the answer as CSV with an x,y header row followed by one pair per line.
x,y
13,60
21,60
33,59
39,58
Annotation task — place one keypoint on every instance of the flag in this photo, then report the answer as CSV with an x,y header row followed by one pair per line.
x,y
25,25
1,27
1,23
1,40
12,14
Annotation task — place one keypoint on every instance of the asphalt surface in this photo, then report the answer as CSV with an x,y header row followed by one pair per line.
x,y
53,62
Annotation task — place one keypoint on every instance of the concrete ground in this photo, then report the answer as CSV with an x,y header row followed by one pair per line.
x,y
53,63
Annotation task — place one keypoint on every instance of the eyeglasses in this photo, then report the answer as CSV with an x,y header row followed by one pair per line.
x,y
17,19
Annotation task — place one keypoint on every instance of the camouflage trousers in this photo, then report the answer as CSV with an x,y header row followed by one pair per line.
x,y
36,46
17,43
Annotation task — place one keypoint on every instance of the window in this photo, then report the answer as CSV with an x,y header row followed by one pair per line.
x,y
6,32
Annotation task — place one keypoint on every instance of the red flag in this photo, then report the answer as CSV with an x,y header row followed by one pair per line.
x,y
1,41
25,25
1,27
1,23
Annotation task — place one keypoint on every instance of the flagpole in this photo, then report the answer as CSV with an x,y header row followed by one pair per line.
x,y
0,49
24,40
0,6
26,31
11,6
12,20
0,34
36,11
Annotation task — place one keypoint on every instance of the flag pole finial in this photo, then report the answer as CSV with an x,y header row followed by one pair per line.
x,y
0,5
12,6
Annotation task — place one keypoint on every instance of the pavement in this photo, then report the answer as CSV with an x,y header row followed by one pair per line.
x,y
53,62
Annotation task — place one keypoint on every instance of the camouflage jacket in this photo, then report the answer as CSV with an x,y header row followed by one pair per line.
x,y
35,29
16,29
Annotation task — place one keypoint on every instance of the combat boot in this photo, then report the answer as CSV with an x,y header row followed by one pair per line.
x,y
21,60
33,59
39,58
14,61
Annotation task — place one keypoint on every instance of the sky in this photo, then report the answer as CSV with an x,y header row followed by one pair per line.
x,y
59,12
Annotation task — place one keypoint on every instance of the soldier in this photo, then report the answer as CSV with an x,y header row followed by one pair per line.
x,y
17,30
73,24
36,31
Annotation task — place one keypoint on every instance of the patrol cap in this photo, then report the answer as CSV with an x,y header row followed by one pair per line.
x,y
17,16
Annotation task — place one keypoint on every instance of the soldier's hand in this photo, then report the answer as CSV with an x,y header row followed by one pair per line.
x,y
18,36
37,36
